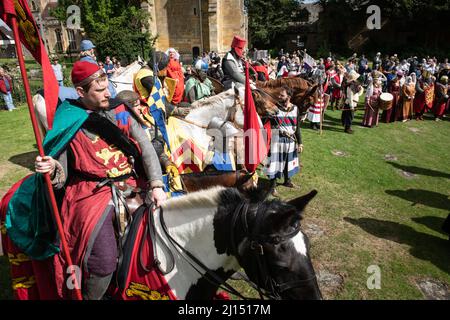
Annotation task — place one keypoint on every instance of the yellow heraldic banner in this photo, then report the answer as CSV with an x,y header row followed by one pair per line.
x,y
170,84
189,145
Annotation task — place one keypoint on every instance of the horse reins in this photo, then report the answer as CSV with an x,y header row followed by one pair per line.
x,y
209,275
257,243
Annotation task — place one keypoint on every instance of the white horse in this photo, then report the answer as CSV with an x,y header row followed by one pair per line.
x,y
124,80
222,106
210,225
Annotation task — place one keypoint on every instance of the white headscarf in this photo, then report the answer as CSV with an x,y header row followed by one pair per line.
x,y
409,80
177,55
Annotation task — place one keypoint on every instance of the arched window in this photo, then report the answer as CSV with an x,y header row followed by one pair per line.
x,y
195,52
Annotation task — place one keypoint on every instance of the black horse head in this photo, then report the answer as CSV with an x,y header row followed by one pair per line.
x,y
265,237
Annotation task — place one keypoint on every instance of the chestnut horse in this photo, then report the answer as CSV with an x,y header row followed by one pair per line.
x,y
240,179
303,90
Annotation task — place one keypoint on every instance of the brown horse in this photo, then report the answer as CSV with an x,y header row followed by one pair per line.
x,y
193,182
303,90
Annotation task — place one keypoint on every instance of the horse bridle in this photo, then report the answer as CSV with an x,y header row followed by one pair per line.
x,y
257,243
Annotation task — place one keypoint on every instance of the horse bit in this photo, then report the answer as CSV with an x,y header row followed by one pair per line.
x,y
257,243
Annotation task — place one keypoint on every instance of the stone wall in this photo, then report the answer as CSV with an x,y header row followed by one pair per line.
x,y
177,25
207,25
232,22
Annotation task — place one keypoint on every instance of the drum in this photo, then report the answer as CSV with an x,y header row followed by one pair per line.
x,y
386,101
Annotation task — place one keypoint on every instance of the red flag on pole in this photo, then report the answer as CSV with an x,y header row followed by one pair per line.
x,y
255,144
31,39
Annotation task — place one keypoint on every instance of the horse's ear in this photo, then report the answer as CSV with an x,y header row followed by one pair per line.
x,y
290,216
314,89
261,193
245,182
301,202
269,189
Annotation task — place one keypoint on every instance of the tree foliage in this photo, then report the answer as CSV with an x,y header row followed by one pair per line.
x,y
410,26
115,26
269,19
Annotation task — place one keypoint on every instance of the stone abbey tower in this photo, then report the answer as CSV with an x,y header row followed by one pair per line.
x,y
194,26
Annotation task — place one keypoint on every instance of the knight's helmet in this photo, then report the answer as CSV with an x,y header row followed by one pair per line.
x,y
158,61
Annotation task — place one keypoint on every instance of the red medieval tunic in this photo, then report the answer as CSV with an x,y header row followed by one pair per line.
x,y
429,97
336,94
31,279
389,115
84,203
423,101
174,71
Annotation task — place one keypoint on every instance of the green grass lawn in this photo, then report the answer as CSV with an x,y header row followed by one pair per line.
x,y
368,212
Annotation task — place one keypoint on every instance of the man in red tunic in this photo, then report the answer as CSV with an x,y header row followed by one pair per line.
x,y
97,171
336,85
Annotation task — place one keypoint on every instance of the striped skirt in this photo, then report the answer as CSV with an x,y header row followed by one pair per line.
x,y
283,151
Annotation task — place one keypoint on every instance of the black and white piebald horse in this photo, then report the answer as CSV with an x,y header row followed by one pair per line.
x,y
222,231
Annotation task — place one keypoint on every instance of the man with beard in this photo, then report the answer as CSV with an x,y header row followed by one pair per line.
x,y
96,155
286,142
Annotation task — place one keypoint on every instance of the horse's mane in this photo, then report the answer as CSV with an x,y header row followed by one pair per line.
x,y
290,82
126,70
195,200
214,100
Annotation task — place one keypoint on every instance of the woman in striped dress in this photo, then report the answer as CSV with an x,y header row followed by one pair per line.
x,y
286,142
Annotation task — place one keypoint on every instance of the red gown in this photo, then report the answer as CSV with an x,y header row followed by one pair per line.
x,y
174,71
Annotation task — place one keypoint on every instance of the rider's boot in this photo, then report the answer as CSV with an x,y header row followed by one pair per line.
x,y
96,286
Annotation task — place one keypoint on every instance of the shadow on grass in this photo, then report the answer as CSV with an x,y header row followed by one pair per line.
x,y
423,246
333,120
421,171
25,160
324,128
433,223
424,197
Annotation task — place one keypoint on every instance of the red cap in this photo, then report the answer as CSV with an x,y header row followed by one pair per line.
x,y
83,73
238,45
